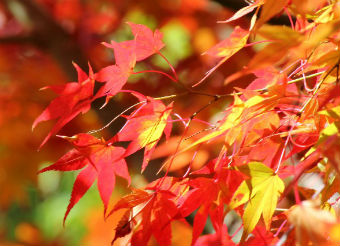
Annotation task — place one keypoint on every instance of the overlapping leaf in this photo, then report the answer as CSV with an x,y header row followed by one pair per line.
x,y
144,128
227,48
127,53
115,76
239,112
208,196
261,192
101,160
155,211
74,98
147,42
244,11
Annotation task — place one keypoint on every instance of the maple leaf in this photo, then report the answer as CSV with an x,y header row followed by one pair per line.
x,y
144,128
261,192
265,78
127,53
155,211
208,196
74,98
227,48
137,197
147,42
284,39
101,160
123,227
115,76
244,11
204,193
72,160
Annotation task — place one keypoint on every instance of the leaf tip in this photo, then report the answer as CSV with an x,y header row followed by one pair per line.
x,y
64,220
66,137
104,213
107,45
41,171
43,88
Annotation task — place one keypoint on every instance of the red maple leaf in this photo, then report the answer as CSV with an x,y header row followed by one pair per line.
x,y
147,42
203,194
208,196
101,160
155,211
115,76
74,98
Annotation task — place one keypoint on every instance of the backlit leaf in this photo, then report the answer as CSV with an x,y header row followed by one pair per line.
x,y
261,192
244,11
147,42
144,128
101,160
74,98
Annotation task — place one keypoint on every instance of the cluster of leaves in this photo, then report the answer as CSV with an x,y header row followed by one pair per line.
x,y
283,125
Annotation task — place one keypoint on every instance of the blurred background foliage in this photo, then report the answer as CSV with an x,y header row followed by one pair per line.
x,y
38,41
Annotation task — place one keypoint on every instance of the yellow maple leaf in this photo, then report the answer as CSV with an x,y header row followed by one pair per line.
x,y
261,192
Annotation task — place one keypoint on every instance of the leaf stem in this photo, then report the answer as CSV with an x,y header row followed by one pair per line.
x,y
281,226
156,71
171,67
305,77
289,17
191,118
169,97
238,229
192,161
284,149
172,157
176,78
